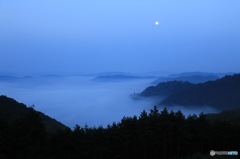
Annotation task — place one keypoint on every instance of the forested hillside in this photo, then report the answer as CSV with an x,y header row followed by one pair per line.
x,y
222,94
166,88
13,110
152,135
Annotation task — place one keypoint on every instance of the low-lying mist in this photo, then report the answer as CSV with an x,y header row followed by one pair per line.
x,y
81,100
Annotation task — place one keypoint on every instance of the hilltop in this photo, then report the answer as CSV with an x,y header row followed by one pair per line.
x,y
223,93
13,110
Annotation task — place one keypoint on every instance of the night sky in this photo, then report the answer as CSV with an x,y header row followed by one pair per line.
x,y
75,36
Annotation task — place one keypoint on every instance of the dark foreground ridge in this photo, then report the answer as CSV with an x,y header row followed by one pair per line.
x,y
153,135
13,110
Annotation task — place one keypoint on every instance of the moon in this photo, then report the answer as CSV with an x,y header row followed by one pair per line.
x,y
156,23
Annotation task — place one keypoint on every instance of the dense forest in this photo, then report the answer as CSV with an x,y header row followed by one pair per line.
x,y
152,135
222,94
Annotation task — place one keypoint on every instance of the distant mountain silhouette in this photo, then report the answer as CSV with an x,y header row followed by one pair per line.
x,y
52,76
192,79
10,78
114,73
188,74
119,77
14,110
223,93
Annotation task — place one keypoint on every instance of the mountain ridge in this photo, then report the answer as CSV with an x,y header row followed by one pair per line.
x,y
14,110
223,93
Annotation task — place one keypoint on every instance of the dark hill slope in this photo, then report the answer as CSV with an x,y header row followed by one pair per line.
x,y
223,93
14,110
166,88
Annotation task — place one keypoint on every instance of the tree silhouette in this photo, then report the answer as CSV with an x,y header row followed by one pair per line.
x,y
154,134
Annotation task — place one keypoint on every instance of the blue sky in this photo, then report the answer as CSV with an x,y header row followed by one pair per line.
x,y
75,36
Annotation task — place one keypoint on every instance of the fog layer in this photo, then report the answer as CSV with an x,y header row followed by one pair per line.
x,y
81,100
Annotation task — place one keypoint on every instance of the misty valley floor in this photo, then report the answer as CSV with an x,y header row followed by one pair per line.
x,y
81,100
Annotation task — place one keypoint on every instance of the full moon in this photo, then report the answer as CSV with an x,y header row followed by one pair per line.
x,y
156,23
